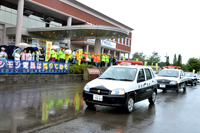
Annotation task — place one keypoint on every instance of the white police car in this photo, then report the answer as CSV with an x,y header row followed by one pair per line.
x,y
171,78
191,78
122,86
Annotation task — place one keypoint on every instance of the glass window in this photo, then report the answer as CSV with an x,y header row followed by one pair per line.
x,y
118,40
122,40
152,73
141,74
129,40
148,74
125,41
168,73
2,14
119,73
14,19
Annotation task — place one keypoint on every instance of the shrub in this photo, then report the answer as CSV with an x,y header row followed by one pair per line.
x,y
76,69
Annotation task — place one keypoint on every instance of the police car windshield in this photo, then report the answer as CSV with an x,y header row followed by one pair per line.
x,y
119,73
189,74
168,73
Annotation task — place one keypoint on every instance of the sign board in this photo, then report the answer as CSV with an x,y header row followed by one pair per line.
x,y
103,43
94,71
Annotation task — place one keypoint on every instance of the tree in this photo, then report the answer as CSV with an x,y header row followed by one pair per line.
x,y
139,55
154,58
179,62
174,61
167,61
193,64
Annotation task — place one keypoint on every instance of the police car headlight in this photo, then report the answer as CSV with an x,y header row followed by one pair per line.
x,y
118,92
173,83
87,88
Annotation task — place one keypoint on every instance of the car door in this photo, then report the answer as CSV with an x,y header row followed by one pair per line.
x,y
142,84
150,83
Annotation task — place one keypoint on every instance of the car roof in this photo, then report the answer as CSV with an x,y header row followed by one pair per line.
x,y
132,66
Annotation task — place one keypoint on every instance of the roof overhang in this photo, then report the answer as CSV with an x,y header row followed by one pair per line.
x,y
80,32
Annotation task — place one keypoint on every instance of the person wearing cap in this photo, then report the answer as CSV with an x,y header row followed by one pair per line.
x,y
124,57
61,55
98,60
95,59
3,54
57,56
35,56
29,55
110,60
53,55
86,57
90,58
70,57
106,60
83,58
77,56
41,55
103,59
114,60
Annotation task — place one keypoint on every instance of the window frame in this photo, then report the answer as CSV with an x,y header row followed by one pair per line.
x,y
149,73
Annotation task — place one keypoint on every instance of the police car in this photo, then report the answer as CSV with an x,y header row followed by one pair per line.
x,y
122,86
171,78
191,78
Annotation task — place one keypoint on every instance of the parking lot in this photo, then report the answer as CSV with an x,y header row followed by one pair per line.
x,y
59,107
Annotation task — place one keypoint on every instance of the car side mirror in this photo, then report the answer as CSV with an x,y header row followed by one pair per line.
x,y
141,80
195,76
98,75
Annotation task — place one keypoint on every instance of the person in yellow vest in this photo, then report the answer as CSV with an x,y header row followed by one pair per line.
x,y
53,55
57,56
106,60
90,58
86,58
124,57
62,55
77,56
103,59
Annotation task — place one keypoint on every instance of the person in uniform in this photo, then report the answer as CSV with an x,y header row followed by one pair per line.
x,y
106,60
90,58
114,60
77,56
98,60
3,54
103,59
61,55
53,55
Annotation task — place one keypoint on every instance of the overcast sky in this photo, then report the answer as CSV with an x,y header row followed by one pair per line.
x,y
164,26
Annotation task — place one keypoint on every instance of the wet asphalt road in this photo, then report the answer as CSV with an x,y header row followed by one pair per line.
x,y
59,108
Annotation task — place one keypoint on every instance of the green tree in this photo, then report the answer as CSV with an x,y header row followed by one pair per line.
x,y
167,61
174,61
193,64
154,58
179,62
139,55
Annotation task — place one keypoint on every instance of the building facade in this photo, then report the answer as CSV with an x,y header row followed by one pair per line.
x,y
37,21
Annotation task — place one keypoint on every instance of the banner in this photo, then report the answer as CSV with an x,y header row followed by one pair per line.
x,y
10,66
48,51
80,56
103,43
156,66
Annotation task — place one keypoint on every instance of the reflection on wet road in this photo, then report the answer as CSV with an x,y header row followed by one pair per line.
x,y
59,108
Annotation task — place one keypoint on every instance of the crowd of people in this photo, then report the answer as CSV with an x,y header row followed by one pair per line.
x,y
71,57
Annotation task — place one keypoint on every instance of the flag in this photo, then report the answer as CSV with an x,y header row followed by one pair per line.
x,y
156,66
48,51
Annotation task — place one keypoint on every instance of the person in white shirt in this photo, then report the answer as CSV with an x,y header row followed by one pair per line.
x,y
29,55
3,54
74,57
17,56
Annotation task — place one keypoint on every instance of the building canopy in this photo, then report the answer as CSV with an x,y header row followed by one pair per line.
x,y
80,32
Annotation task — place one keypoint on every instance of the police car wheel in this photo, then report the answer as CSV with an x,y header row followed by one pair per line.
x,y
129,105
195,84
184,87
178,88
192,84
152,99
89,104
164,90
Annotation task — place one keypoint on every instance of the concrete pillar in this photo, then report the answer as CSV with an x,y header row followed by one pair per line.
x,y
108,51
87,48
102,50
128,56
97,46
115,53
69,21
119,55
68,42
20,10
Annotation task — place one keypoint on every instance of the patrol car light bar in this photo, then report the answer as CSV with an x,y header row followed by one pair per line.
x,y
173,67
132,62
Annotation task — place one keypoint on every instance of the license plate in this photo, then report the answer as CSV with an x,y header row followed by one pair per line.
x,y
162,86
97,97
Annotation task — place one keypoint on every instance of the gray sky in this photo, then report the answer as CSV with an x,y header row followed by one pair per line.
x,y
164,26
